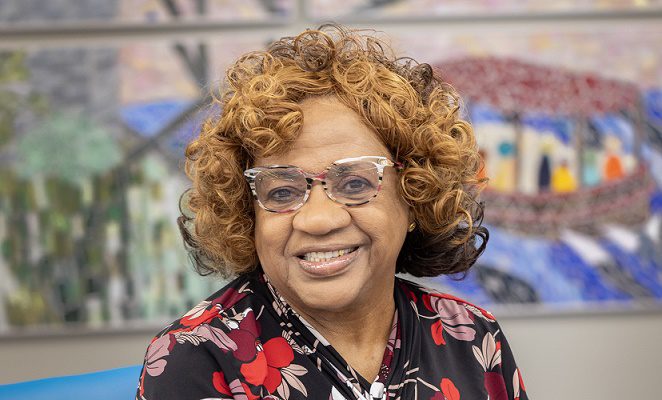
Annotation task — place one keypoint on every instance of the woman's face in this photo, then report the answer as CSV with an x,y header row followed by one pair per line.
x,y
332,131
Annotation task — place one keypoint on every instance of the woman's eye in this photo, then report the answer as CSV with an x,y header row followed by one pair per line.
x,y
282,194
355,185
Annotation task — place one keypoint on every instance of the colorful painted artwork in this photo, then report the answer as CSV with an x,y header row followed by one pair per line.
x,y
156,11
569,128
91,151
389,9
67,12
569,122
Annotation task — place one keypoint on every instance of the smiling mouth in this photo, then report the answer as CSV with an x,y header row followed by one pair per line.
x,y
321,256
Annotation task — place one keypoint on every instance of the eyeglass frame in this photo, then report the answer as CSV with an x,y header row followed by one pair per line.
x,y
382,162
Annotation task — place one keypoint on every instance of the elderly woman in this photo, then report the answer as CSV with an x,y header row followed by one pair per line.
x,y
332,167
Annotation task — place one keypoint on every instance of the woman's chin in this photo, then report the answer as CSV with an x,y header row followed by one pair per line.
x,y
334,299
340,292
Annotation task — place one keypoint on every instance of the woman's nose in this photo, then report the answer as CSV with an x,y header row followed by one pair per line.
x,y
320,215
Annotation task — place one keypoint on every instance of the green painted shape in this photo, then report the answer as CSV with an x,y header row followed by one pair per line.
x,y
67,146
12,67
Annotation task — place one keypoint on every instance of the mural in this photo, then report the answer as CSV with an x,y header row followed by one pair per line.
x,y
91,141
63,12
377,9
91,145
570,131
156,11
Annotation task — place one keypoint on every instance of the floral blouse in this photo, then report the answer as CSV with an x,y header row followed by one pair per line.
x,y
245,342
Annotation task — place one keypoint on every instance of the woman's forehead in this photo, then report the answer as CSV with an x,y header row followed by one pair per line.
x,y
315,155
330,131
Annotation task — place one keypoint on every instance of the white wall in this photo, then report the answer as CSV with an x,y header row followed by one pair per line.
x,y
589,357
581,357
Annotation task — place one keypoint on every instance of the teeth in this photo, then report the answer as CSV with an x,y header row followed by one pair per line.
x,y
317,256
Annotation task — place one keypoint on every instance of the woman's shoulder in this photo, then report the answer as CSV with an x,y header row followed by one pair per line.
x,y
230,296
466,340
192,347
443,303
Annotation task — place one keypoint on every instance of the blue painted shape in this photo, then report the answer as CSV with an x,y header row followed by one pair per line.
x,y
653,106
656,202
147,119
560,127
617,125
529,259
506,149
653,158
183,135
483,113
594,287
113,384
468,288
644,272
190,129
557,273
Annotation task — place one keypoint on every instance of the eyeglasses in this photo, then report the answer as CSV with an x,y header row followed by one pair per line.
x,y
350,181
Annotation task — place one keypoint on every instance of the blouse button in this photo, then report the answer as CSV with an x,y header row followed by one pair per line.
x,y
377,390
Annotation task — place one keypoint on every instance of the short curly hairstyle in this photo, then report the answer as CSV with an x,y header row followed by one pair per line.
x,y
413,111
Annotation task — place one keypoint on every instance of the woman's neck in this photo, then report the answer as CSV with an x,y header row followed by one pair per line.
x,y
358,334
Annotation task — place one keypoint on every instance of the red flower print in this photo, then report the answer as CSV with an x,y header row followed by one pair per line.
x,y
495,386
235,389
206,310
199,314
448,391
438,333
218,379
255,371
265,369
230,298
279,355
408,292
245,337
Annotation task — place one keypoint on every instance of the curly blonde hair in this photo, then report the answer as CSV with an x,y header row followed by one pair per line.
x,y
415,114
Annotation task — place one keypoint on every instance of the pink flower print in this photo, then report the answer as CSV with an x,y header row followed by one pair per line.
x,y
518,384
453,318
489,357
158,349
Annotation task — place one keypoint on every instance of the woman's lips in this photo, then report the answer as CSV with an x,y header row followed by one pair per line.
x,y
329,267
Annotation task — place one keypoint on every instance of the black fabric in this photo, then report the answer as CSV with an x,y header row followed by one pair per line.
x,y
246,342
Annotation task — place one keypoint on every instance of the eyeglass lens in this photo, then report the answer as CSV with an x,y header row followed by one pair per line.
x,y
348,183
